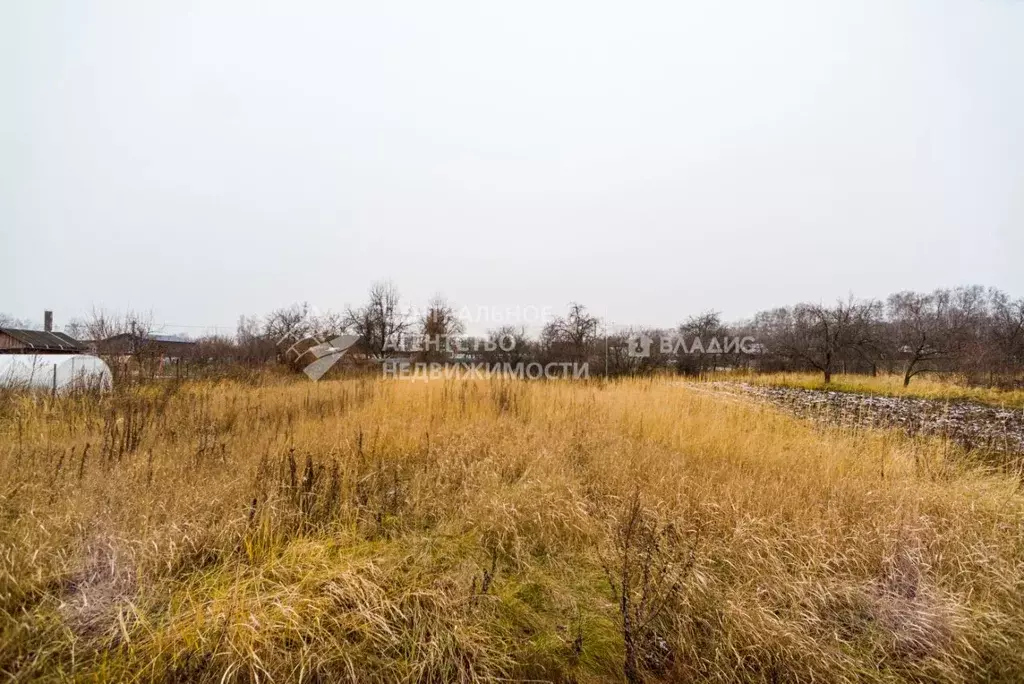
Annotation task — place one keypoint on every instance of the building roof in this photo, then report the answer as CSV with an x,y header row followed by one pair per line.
x,y
170,338
40,340
177,339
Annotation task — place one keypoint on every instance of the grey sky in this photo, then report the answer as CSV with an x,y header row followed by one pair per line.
x,y
208,159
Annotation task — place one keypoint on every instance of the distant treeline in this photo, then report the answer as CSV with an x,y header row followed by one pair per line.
x,y
973,331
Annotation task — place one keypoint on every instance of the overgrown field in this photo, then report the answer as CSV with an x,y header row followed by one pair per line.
x,y
367,530
947,388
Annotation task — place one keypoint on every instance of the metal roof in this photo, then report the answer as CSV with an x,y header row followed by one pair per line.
x,y
153,337
170,338
40,340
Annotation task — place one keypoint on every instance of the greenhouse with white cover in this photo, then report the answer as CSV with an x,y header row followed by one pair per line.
x,y
55,372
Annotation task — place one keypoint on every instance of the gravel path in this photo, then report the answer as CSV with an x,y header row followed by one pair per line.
x,y
973,426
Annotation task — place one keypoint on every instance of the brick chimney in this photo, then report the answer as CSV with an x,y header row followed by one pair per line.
x,y
48,321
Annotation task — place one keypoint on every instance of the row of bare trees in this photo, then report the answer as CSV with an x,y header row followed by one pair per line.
x,y
973,331
385,328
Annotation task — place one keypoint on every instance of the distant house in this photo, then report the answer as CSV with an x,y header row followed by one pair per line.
x,y
17,341
172,346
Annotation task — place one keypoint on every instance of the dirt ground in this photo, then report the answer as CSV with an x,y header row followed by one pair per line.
x,y
974,426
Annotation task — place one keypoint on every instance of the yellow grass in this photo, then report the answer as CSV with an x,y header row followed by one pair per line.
x,y
366,530
945,389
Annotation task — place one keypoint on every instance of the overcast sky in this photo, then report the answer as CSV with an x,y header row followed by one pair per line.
x,y
202,160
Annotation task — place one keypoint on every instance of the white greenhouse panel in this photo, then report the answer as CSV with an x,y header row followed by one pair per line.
x,y
54,371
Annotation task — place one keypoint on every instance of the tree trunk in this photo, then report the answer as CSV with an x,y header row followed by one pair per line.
x,y
828,375
631,670
906,377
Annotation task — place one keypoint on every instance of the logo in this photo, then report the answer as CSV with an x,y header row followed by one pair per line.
x,y
639,347
313,354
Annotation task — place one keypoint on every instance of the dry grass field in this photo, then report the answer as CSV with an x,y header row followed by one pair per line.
x,y
374,531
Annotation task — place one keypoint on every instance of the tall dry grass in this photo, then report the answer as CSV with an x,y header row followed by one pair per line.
x,y
367,530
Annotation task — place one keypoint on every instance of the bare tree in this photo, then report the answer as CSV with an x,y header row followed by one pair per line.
x,y
1006,331
820,336
249,328
120,339
101,324
380,320
707,328
8,321
773,329
930,330
438,326
635,351
507,344
575,334
254,346
75,328
294,321
295,330
969,329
